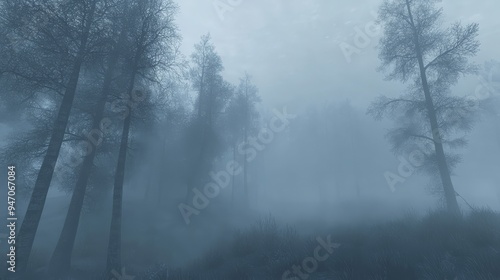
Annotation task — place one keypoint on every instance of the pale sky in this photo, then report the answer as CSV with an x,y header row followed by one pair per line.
x,y
291,47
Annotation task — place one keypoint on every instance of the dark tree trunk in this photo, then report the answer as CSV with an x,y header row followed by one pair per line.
x,y
163,178
114,245
233,177
245,161
31,220
193,180
195,177
444,172
60,261
245,177
205,125
115,234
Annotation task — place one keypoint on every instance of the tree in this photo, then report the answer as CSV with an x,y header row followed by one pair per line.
x,y
239,123
234,124
206,79
416,48
151,30
61,258
67,36
247,92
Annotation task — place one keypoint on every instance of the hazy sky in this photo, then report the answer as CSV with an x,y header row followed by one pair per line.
x,y
291,47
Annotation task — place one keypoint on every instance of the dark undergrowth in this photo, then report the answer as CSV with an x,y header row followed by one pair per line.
x,y
433,247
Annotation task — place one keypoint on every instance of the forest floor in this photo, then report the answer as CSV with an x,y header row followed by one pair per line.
x,y
431,247
415,247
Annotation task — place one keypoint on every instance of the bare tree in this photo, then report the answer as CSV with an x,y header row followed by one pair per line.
x,y
52,43
153,45
416,48
206,79
248,95
60,262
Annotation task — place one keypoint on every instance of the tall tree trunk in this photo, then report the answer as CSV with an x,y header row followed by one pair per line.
x,y
200,94
204,123
60,261
163,177
233,177
31,220
444,172
194,179
114,261
197,165
245,177
245,161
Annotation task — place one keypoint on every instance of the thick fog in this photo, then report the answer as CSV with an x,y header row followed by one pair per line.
x,y
224,139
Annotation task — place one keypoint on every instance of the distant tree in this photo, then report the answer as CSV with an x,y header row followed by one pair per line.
x,y
331,141
250,98
247,99
234,130
416,48
166,151
212,92
488,91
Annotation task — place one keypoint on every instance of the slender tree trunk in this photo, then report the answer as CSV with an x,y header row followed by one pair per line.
x,y
200,95
162,185
115,234
233,177
205,123
31,220
114,261
60,261
449,191
194,179
197,165
245,161
245,175
114,246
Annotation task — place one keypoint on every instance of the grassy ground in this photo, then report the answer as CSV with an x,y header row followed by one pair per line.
x,y
432,247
